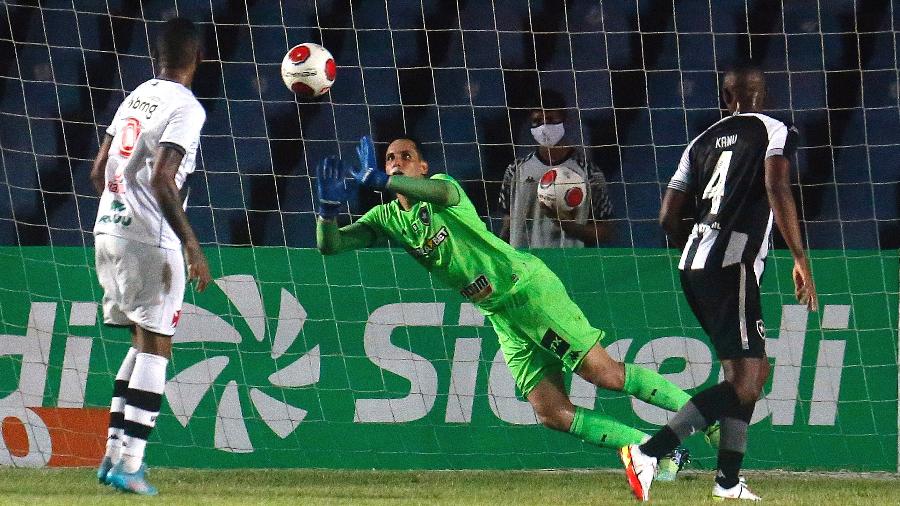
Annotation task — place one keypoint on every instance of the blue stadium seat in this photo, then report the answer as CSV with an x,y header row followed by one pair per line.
x,y
635,121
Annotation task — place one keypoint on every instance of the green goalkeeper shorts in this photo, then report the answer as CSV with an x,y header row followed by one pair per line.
x,y
541,330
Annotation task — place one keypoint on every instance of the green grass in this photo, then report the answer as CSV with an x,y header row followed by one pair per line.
x,y
299,487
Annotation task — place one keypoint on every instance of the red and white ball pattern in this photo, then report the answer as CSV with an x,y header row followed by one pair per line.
x,y
562,189
308,70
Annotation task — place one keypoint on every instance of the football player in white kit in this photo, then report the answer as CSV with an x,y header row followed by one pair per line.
x,y
141,228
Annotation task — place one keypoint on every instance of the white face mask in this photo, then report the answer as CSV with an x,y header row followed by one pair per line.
x,y
548,134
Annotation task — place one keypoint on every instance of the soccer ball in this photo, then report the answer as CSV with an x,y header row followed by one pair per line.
x,y
308,69
562,189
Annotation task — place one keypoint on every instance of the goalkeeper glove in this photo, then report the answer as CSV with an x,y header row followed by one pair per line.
x,y
368,174
330,187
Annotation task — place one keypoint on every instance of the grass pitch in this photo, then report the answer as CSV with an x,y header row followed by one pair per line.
x,y
180,486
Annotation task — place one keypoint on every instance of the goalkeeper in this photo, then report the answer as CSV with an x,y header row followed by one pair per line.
x,y
541,331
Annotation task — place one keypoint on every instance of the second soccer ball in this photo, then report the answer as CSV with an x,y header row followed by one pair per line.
x,y
562,189
308,70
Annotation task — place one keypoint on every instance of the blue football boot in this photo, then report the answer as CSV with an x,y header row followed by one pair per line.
x,y
135,483
103,470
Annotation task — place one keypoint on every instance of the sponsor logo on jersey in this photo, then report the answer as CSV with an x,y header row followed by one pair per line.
x,y
146,105
431,244
555,343
477,290
725,141
761,328
116,214
175,318
117,185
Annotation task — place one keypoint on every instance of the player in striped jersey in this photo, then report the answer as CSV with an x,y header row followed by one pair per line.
x,y
740,170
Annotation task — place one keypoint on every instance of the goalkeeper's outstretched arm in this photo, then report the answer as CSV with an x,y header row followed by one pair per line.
x,y
331,239
434,191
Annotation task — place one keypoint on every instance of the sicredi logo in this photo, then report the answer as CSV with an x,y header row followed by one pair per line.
x,y
68,434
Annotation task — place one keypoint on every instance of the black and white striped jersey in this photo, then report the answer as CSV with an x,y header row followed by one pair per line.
x,y
724,168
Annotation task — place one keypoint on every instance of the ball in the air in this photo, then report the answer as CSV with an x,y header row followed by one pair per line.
x,y
562,189
308,69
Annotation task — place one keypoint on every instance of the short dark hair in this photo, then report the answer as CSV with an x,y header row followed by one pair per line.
x,y
178,43
744,71
415,142
549,99
749,79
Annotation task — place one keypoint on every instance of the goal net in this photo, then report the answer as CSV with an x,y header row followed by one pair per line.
x,y
362,360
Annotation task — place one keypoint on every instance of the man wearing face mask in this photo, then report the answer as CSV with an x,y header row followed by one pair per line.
x,y
529,224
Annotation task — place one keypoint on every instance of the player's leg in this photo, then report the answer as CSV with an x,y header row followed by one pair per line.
x,y
143,396
116,430
748,375
747,368
566,332
724,303
143,399
599,368
538,375
107,252
154,305
555,411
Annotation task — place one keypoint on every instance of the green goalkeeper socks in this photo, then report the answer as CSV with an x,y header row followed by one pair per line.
x,y
603,430
650,386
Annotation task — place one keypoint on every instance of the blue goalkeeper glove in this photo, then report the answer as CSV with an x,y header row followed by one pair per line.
x,y
330,187
368,173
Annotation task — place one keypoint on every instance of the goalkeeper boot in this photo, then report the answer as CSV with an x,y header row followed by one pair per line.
x,y
711,435
103,471
669,466
135,483
739,491
640,470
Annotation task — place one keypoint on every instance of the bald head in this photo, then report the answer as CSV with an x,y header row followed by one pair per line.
x,y
744,90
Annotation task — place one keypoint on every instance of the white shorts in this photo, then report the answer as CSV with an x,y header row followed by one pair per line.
x,y
142,285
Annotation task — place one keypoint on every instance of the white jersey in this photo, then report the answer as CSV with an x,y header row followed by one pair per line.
x,y
157,112
529,227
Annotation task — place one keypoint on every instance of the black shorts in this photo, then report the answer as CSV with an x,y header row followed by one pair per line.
x,y
726,303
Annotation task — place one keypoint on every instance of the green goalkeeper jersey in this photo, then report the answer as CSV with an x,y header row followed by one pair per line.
x,y
456,247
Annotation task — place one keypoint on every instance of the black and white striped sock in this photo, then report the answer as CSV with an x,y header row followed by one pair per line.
x,y
117,407
142,402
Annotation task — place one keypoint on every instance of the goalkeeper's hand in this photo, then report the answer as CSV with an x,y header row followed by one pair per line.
x,y
330,186
368,173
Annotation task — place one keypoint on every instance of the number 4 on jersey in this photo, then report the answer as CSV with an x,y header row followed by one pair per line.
x,y
715,189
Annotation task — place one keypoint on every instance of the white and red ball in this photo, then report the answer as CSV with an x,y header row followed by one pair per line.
x,y
562,189
308,69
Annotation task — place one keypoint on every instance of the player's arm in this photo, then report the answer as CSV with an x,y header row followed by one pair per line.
x,y
435,191
505,226
333,194
781,200
673,213
506,189
331,239
672,216
98,170
591,232
596,230
165,190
